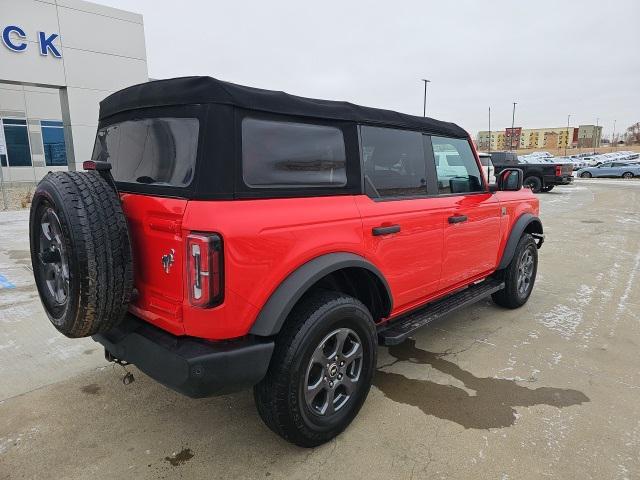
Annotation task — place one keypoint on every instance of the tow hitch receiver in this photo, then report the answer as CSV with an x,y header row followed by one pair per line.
x,y
128,377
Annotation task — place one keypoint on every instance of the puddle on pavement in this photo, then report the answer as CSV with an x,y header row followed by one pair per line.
x,y
92,389
180,458
491,407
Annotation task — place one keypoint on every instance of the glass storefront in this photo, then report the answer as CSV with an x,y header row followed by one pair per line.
x,y
55,153
17,151
16,137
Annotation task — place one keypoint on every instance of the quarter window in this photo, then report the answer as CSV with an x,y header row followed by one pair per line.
x,y
393,162
153,151
288,154
456,166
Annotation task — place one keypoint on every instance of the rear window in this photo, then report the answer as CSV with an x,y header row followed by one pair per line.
x,y
289,154
151,151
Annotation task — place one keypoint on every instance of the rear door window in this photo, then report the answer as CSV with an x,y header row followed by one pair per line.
x,y
456,166
282,154
152,151
393,162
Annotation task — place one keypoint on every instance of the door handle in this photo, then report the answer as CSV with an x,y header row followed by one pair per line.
x,y
458,219
385,230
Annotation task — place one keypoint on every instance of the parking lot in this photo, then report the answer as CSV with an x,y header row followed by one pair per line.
x,y
549,390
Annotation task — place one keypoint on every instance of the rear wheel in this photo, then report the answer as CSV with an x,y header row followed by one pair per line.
x,y
627,175
585,175
534,183
321,369
520,275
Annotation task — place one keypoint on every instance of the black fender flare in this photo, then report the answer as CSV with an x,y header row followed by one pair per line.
x,y
275,311
518,229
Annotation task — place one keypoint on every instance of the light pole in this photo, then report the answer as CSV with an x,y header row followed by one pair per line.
x,y
513,120
424,104
596,133
489,149
567,142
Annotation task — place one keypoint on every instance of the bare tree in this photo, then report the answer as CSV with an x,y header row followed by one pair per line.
x,y
633,134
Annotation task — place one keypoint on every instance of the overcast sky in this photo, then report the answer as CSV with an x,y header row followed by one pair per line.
x,y
579,57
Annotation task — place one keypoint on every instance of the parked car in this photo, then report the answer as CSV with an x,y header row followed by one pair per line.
x,y
539,175
487,167
576,162
611,169
225,237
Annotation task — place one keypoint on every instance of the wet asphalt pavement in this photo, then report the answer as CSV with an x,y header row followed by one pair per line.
x,y
551,390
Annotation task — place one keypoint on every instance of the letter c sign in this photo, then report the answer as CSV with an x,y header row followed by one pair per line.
x,y
14,38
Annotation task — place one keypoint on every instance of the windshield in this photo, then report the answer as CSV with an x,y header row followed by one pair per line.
x,y
153,151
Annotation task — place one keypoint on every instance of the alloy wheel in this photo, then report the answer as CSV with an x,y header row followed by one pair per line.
x,y
333,373
525,271
54,264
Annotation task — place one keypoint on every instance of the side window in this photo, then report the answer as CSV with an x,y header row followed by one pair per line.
x,y
456,166
393,162
287,154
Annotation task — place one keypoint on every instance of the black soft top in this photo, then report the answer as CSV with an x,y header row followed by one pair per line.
x,y
198,90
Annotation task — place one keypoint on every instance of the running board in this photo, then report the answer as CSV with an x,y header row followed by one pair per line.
x,y
397,331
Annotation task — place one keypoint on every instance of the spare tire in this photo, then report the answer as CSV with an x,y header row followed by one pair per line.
x,y
80,252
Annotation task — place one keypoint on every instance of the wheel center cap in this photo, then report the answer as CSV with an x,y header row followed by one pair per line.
x,y
333,370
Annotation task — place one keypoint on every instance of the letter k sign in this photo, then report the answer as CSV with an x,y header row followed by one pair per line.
x,y
46,44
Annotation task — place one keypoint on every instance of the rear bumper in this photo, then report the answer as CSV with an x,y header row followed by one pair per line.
x,y
192,366
563,180
567,180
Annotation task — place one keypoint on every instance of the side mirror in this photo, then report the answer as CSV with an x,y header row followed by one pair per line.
x,y
508,180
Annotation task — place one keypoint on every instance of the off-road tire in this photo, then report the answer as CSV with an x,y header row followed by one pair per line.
x,y
279,396
95,238
586,175
534,183
510,297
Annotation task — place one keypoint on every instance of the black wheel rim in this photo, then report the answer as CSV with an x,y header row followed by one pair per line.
x,y
525,272
334,371
53,262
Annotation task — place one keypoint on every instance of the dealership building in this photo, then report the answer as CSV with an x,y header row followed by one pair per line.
x,y
58,59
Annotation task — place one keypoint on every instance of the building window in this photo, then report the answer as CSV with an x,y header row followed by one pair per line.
x,y
55,153
17,141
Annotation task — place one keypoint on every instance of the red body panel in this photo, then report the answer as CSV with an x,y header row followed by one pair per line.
x,y
155,227
411,260
471,246
266,240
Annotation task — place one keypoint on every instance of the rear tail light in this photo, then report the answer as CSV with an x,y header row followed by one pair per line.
x,y
204,269
558,170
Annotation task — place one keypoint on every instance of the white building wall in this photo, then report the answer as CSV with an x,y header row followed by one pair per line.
x,y
103,50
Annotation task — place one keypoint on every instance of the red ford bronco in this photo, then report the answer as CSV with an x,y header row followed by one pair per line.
x,y
226,237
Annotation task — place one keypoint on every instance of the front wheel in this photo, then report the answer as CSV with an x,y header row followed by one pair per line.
x,y
321,370
627,175
585,175
534,183
520,275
